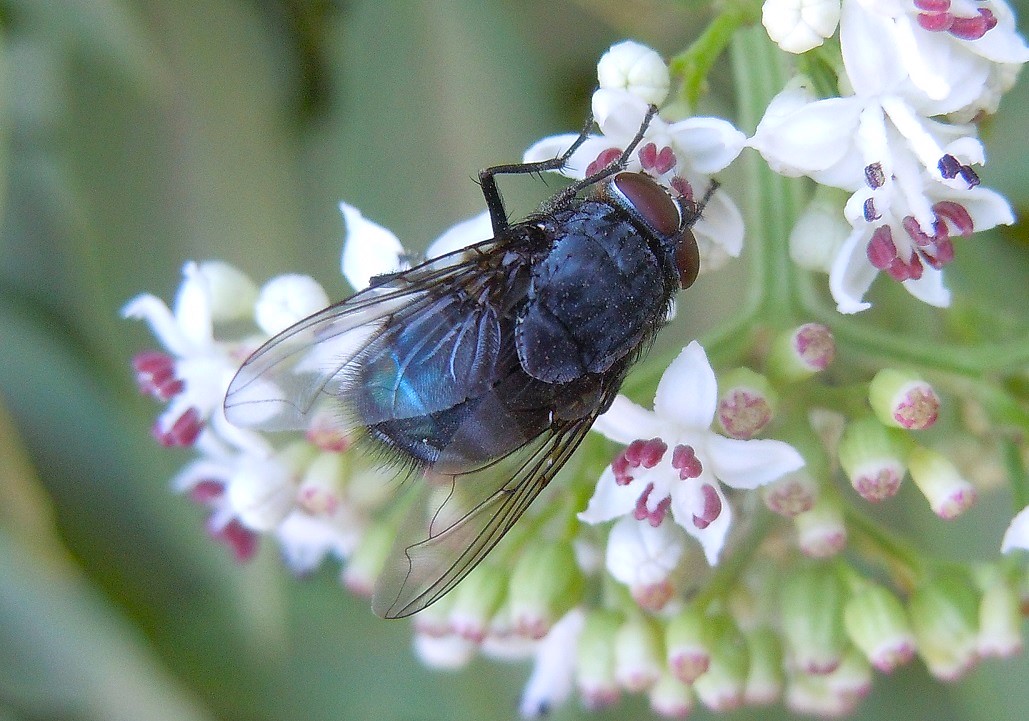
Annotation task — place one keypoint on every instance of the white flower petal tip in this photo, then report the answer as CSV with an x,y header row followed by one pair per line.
x,y
797,26
634,67
1017,535
461,235
368,249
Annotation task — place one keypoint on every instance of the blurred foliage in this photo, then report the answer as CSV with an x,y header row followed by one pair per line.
x,y
137,134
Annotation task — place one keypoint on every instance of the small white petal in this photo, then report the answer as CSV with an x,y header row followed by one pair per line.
x,y
161,321
988,208
709,144
368,249
609,500
687,394
305,541
459,236
813,137
552,146
1017,535
719,231
749,464
871,51
852,274
687,502
619,114
287,299
929,288
261,493
193,307
443,652
1002,44
625,421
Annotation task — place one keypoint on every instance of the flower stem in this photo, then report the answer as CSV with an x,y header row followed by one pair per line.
x,y
694,63
903,562
773,201
728,571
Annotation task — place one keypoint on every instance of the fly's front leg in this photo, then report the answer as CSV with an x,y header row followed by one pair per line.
x,y
615,166
488,180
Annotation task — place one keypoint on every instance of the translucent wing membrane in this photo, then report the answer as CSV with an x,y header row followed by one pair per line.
x,y
464,516
281,384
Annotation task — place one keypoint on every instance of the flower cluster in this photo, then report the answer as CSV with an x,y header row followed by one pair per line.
x,y
898,140
713,560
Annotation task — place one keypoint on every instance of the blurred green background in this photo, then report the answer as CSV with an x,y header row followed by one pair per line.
x,y
137,134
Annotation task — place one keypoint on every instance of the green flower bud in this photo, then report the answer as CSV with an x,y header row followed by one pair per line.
x,y
941,483
670,697
812,600
746,403
595,667
801,352
320,489
873,458
791,494
877,624
688,643
639,654
903,400
722,687
764,675
368,559
545,584
476,600
1000,620
944,614
821,532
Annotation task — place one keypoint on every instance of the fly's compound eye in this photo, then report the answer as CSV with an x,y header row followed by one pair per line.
x,y
687,259
648,200
652,204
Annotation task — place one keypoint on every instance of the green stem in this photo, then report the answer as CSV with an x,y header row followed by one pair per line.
x,y
897,556
773,201
1017,472
728,571
694,63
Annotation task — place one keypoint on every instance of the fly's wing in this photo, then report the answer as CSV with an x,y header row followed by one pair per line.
x,y
466,515
283,382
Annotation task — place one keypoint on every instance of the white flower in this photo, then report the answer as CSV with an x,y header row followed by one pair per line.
x,y
554,671
952,52
797,26
194,377
675,462
682,154
896,245
1017,535
643,557
911,176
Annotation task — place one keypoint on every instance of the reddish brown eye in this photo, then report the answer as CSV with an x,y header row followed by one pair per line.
x,y
650,200
687,259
